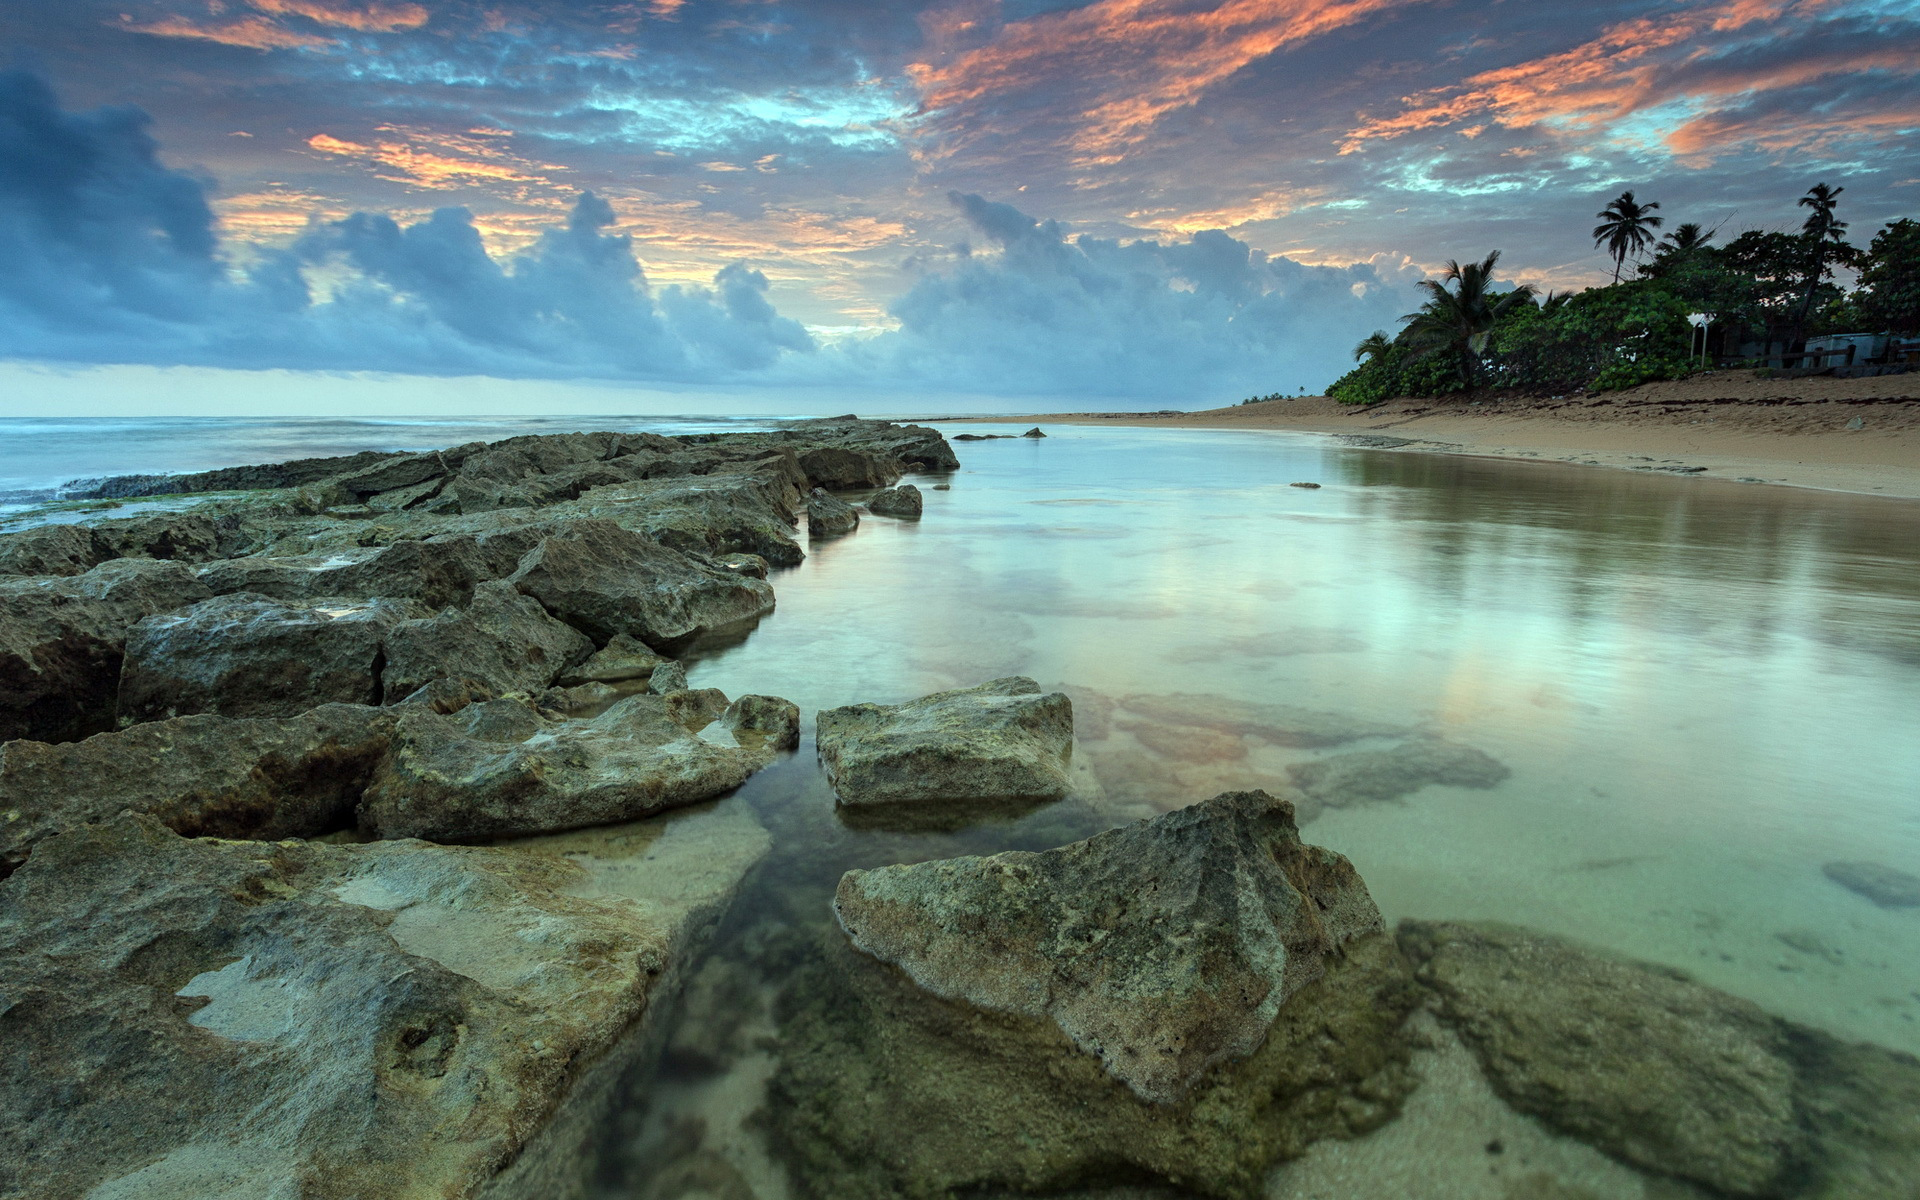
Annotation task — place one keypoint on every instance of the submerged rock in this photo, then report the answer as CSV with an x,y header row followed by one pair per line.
x,y
1005,740
254,656
902,501
503,768
378,1021
501,639
199,776
1162,948
605,580
63,640
1886,886
1375,775
1279,724
828,515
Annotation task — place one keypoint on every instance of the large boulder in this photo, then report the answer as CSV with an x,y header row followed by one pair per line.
x,y
829,516
62,640
1004,740
840,468
199,776
903,501
622,660
437,573
502,768
376,1022
605,580
734,513
1162,948
253,656
502,639
52,550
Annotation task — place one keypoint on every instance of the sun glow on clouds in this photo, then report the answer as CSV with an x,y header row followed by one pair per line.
x,y
263,33
439,161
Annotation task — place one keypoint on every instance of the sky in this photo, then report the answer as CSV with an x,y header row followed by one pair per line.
x,y
1123,203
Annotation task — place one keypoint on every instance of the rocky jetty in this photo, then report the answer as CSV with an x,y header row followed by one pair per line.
x,y
1003,741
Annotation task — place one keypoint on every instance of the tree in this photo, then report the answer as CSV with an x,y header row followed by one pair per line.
x,y
1461,320
1822,233
1373,346
1889,295
1688,236
1625,228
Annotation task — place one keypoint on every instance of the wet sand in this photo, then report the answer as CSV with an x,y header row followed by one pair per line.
x,y
1848,435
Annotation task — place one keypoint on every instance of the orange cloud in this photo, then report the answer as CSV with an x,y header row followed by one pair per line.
x,y
373,18
254,33
1134,60
437,161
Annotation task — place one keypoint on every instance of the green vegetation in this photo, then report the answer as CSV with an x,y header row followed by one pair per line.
x,y
1762,288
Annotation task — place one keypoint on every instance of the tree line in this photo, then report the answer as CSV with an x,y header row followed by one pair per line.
x,y
1761,289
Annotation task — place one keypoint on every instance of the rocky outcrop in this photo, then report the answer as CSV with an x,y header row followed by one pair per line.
x,y
623,660
745,512
829,516
1670,1075
1370,776
904,501
199,776
842,468
254,656
502,768
501,639
1005,740
378,1022
437,573
62,640
1035,432
605,580
1163,948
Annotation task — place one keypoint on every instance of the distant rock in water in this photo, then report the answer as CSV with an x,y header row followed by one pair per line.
x,y
1375,775
902,501
828,515
1002,741
1163,948
1313,486
1884,885
1034,433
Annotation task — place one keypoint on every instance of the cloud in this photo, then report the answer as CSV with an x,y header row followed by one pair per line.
x,y
264,33
1207,318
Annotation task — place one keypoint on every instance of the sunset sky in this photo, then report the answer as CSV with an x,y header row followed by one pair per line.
x,y
1120,199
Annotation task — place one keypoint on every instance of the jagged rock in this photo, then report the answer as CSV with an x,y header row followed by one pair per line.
x,y
1641,1061
51,550
437,573
62,640
1135,784
1279,724
604,580
501,639
842,469
745,564
1886,886
624,658
296,473
254,656
667,677
501,768
902,501
202,776
917,447
1374,775
1163,948
377,1022
771,720
1033,433
746,512
1004,740
828,515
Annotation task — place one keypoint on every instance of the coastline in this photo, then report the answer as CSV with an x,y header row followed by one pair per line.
x,y
1726,425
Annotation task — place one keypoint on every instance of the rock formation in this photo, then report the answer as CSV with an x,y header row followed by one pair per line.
x,y
829,516
902,501
1374,775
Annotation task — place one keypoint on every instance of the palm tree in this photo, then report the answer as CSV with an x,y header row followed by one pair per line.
x,y
1373,345
1687,237
1625,228
1823,231
1461,320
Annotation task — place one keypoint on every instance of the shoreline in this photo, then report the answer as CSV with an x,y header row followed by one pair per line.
x,y
1860,436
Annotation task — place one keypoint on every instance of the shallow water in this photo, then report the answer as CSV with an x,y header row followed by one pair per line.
x,y
1703,692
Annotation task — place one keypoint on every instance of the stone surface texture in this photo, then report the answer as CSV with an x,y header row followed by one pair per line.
x,y
501,639
1002,740
902,501
828,515
1365,776
1163,948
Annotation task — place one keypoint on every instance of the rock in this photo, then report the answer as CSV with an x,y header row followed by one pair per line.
x,y
740,512
437,573
501,768
1092,712
1374,775
668,677
745,564
767,722
1002,741
1163,948
942,487
841,468
1884,885
1034,433
1640,1061
52,550
827,515
62,641
902,501
1187,743
1135,784
624,658
1279,724
1313,486
376,1021
202,776
604,580
501,639
254,656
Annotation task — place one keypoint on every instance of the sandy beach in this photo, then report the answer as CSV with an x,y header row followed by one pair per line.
x,y
1850,435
